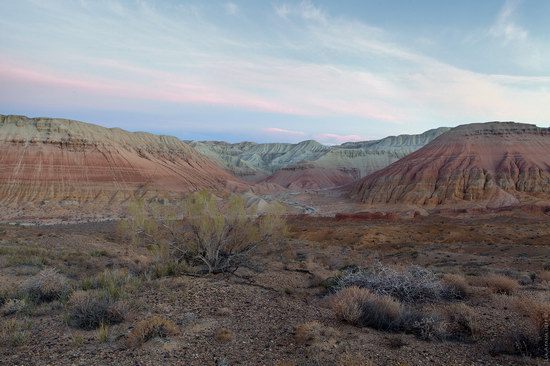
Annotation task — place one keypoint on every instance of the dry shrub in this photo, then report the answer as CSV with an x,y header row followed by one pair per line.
x,y
348,303
155,326
544,276
47,285
501,284
461,321
396,342
13,306
309,332
531,338
381,312
409,285
456,286
14,332
224,335
429,327
88,310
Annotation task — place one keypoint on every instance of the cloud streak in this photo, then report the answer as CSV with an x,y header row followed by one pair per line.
x,y
313,66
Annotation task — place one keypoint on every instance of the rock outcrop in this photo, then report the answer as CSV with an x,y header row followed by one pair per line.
x,y
70,162
491,164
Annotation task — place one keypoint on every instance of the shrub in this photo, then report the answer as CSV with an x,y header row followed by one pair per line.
x,y
455,287
13,306
396,342
88,310
348,303
501,284
409,285
47,285
461,323
155,326
218,235
14,332
308,332
544,276
430,327
381,312
103,333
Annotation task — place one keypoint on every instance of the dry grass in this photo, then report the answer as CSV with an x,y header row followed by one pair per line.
x,y
381,312
155,326
461,321
103,333
88,310
224,335
13,306
456,286
348,303
544,276
47,285
309,332
501,284
14,332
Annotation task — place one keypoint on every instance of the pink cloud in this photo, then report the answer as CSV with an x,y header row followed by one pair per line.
x,y
335,138
282,131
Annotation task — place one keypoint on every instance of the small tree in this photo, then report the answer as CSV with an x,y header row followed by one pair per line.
x,y
218,234
223,235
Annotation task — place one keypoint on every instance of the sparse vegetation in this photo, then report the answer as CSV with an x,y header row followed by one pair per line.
x,y
14,332
410,284
155,326
88,310
501,284
221,235
47,285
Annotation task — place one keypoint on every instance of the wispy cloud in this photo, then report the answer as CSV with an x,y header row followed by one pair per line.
x,y
504,27
313,65
282,131
333,138
231,8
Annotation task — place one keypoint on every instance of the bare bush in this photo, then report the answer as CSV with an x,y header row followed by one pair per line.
x,y
410,284
88,310
155,326
45,286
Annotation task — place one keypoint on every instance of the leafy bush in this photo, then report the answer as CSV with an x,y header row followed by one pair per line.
x,y
221,235
88,310
155,326
409,285
45,286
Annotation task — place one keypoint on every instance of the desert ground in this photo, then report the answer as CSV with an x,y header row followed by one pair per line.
x,y
282,311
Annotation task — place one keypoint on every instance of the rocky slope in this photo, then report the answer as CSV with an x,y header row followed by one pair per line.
x,y
70,162
491,164
310,164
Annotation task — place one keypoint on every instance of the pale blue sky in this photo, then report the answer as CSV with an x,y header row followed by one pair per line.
x,y
277,70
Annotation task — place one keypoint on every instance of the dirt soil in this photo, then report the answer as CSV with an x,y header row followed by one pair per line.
x,y
261,309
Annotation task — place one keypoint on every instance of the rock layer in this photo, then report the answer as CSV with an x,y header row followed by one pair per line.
x,y
310,164
72,162
496,163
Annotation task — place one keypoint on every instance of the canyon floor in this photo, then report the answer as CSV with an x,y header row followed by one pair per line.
x,y
280,313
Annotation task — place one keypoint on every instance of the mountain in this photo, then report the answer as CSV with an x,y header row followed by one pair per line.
x,y
310,164
45,159
491,164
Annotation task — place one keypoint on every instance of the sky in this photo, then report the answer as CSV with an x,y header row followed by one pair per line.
x,y
276,70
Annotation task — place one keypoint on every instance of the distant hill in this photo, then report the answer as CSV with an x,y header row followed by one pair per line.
x,y
490,164
310,164
45,159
